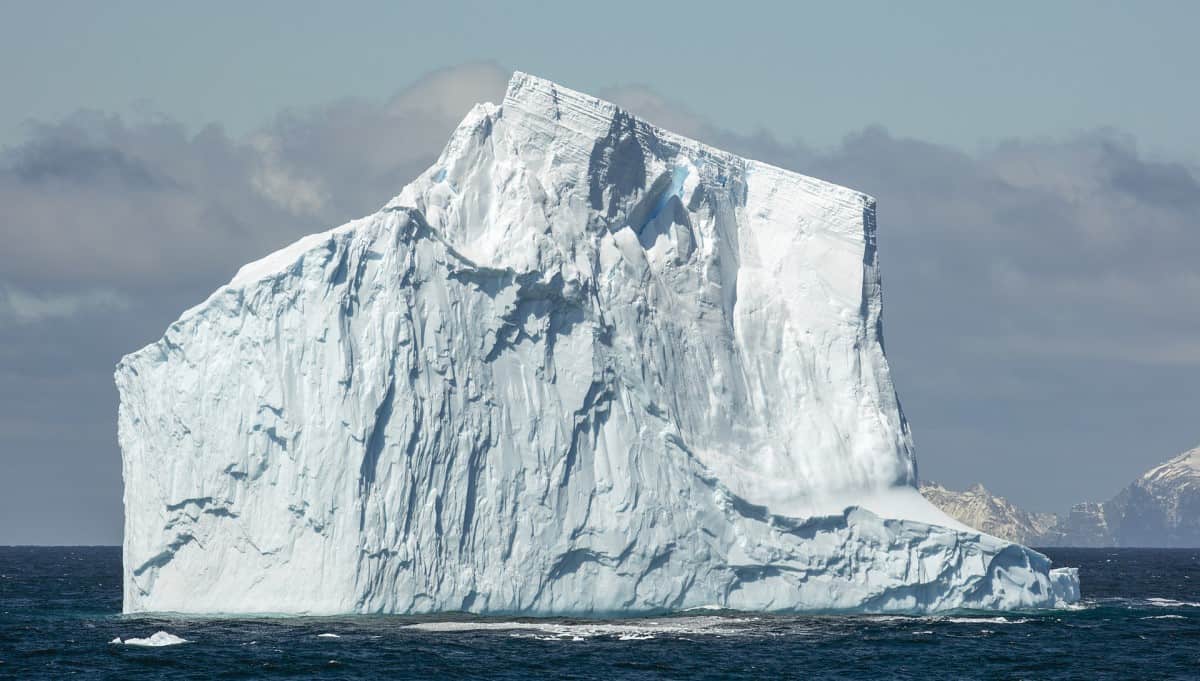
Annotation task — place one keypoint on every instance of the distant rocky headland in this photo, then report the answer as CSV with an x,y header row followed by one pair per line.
x,y
1159,509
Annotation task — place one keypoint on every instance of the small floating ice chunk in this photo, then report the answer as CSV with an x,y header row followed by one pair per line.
x,y
327,635
115,641
157,640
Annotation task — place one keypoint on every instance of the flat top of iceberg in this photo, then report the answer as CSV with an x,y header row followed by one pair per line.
x,y
572,108
592,117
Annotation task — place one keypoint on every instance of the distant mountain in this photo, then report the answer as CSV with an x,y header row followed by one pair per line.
x,y
979,508
1085,525
1159,509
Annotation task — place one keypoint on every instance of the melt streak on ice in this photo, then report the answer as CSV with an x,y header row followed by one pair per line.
x,y
581,365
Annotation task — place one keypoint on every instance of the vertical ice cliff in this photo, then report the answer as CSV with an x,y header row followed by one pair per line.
x,y
581,365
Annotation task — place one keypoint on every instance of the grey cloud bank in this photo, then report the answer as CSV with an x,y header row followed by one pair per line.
x,y
1040,308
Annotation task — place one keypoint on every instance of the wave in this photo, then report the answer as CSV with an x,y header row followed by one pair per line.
x,y
640,631
1170,603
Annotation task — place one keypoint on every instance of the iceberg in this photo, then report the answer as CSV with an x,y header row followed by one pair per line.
x,y
580,366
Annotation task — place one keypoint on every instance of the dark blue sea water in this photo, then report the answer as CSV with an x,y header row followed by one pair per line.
x,y
59,608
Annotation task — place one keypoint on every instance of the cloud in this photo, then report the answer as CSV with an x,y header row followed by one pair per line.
x,y
362,153
1040,313
73,161
25,307
148,208
1068,241
278,184
111,227
1041,298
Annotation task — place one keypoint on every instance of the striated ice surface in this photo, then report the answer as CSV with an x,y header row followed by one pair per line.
x,y
581,365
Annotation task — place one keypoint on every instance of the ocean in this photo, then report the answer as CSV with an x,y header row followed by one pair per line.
x,y
1139,619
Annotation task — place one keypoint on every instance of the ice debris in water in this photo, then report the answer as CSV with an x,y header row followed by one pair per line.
x,y
582,365
156,640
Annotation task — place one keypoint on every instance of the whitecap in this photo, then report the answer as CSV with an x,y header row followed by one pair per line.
x,y
1171,603
328,635
578,631
985,620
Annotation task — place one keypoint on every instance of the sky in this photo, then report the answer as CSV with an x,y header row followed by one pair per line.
x,y
1036,165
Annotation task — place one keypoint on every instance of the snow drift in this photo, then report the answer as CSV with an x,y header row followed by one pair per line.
x,y
581,365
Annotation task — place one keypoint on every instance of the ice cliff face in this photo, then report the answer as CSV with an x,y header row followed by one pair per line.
x,y
581,365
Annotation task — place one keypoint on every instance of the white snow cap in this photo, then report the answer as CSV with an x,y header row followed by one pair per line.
x,y
581,365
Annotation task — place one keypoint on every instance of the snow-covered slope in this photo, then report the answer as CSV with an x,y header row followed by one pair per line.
x,y
977,507
1161,508
580,365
